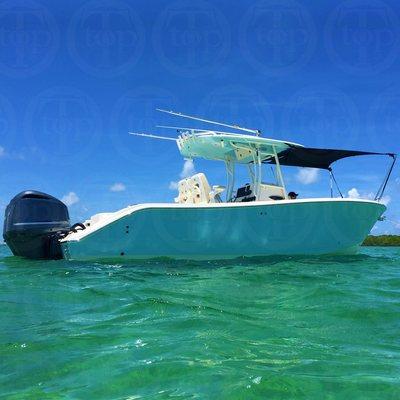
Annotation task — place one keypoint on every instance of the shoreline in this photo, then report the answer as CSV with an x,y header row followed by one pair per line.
x,y
382,241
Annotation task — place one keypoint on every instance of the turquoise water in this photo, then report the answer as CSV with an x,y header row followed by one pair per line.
x,y
316,328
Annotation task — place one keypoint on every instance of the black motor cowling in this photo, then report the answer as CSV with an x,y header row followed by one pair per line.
x,y
33,224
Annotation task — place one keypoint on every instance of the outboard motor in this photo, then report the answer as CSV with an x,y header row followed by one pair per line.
x,y
33,224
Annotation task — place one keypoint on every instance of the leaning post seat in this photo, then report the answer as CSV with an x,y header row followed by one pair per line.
x,y
182,192
197,190
271,192
268,192
200,188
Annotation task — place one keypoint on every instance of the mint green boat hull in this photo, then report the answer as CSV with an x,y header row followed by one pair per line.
x,y
225,231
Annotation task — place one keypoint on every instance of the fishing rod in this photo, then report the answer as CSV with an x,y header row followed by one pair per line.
x,y
180,128
178,114
149,135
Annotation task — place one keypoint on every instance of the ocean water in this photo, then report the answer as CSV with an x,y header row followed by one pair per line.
x,y
278,328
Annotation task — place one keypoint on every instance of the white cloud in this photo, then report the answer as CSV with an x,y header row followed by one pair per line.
x,y
386,200
306,176
173,185
117,187
354,194
70,198
2,151
187,170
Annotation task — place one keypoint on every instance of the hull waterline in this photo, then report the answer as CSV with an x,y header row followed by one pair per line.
x,y
227,231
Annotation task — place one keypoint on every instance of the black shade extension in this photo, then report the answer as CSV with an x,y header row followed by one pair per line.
x,y
316,158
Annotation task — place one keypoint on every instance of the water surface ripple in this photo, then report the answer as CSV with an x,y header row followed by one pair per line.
x,y
278,328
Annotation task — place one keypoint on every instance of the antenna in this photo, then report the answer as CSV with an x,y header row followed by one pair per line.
x,y
255,131
152,136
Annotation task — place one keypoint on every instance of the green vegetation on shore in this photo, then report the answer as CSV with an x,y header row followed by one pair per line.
x,y
382,240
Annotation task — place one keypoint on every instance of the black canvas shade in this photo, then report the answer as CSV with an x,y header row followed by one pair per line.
x,y
316,158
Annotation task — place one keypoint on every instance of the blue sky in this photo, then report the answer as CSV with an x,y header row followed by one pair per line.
x,y
77,76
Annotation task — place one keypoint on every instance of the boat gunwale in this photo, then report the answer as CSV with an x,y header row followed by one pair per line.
x,y
77,236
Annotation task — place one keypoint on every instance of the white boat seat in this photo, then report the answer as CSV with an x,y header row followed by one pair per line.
x,y
184,194
270,192
197,190
200,188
